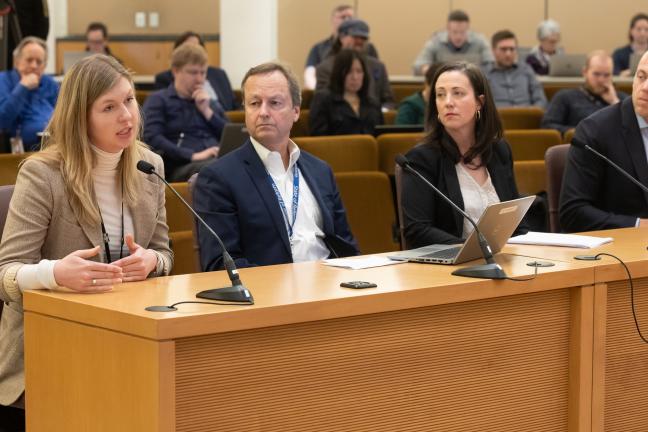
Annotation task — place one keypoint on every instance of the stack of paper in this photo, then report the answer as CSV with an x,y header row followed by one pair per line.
x,y
552,239
361,262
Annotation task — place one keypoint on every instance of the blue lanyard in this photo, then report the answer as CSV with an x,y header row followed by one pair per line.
x,y
295,201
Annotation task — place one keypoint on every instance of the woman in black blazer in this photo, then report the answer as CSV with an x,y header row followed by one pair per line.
x,y
463,154
345,107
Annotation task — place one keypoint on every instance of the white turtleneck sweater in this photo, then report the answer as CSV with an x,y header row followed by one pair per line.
x,y
108,191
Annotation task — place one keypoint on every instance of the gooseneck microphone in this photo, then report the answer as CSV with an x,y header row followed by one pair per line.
x,y
582,145
491,270
235,293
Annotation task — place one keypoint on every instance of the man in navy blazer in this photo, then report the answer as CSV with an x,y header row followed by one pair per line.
x,y
270,202
594,195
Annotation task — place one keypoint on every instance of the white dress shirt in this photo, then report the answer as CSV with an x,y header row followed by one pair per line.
x,y
307,243
475,197
643,128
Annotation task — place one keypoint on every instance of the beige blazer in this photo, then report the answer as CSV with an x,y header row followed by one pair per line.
x,y
41,225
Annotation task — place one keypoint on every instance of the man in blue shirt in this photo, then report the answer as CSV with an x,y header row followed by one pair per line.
x,y
512,83
27,96
182,122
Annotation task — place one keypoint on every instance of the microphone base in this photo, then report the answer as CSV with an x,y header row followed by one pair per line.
x,y
233,294
485,271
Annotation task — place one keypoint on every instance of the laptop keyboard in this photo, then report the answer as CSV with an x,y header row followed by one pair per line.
x,y
444,253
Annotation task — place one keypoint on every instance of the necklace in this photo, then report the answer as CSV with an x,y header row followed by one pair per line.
x,y
106,237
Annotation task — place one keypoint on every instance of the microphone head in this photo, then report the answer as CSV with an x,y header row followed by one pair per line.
x,y
145,167
401,160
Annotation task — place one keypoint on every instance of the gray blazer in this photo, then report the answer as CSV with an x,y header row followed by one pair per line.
x,y
41,225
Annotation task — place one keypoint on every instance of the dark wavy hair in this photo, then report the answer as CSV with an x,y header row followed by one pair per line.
x,y
341,68
488,129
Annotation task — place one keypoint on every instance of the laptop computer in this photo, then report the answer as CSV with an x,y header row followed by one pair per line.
x,y
567,65
497,223
71,57
233,136
445,57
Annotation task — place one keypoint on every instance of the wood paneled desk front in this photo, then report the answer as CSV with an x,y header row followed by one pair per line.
x,y
423,351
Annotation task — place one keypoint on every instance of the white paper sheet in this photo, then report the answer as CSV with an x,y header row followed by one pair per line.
x,y
362,262
553,239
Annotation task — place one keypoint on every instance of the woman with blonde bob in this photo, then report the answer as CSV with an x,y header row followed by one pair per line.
x,y
82,217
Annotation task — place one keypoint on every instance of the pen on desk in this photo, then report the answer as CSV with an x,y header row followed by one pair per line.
x,y
179,143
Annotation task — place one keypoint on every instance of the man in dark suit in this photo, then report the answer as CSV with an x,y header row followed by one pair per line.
x,y
270,202
594,195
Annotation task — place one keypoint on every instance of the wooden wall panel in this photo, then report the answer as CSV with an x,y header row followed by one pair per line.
x,y
112,370
498,365
626,360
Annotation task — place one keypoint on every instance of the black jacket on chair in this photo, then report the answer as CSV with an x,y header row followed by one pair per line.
x,y
330,114
427,218
594,195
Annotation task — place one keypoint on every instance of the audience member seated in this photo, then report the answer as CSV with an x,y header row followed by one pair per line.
x,y
321,50
182,122
346,106
270,202
456,39
217,85
97,39
354,34
638,35
512,83
463,155
411,110
82,217
569,106
549,37
27,96
594,195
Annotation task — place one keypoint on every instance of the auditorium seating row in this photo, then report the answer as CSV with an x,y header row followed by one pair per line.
x,y
403,90
512,118
364,170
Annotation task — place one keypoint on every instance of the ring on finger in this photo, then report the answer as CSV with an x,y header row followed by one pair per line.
x,y
94,281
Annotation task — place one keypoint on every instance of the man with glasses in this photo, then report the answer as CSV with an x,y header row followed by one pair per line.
x,y
97,39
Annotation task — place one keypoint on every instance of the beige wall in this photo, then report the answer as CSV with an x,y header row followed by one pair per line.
x,y
176,16
398,29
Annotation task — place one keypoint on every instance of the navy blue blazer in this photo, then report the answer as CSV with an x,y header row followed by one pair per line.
x,y
236,200
594,195
217,79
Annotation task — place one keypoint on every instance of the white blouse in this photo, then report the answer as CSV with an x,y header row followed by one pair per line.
x,y
476,197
